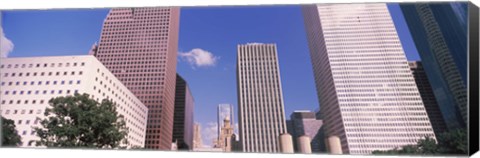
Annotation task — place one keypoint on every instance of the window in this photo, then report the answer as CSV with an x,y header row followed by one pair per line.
x,y
78,81
70,82
83,63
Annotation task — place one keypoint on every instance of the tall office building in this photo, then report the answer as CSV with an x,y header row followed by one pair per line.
x,y
366,90
139,46
27,85
223,111
183,115
197,136
260,100
428,97
440,36
305,123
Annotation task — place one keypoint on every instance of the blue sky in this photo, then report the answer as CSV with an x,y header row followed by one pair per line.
x,y
217,30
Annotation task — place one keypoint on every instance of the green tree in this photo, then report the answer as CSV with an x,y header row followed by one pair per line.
x,y
453,142
10,136
427,146
78,121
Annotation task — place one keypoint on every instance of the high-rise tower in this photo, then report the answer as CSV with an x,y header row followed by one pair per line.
x,y
139,46
439,32
428,97
367,92
183,115
260,100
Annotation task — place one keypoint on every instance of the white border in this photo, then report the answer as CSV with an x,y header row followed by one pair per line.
x,y
50,4
59,4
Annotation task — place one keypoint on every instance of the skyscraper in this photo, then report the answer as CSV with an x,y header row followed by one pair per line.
x,y
428,97
440,36
305,123
139,46
366,90
223,111
183,115
197,136
260,100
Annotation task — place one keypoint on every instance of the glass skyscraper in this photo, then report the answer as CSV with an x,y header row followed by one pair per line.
x,y
439,32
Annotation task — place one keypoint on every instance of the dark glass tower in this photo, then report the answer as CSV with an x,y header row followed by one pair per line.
x,y
183,115
440,36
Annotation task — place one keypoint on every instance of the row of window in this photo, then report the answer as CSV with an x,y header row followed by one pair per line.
x,y
58,73
14,112
31,83
44,65
14,92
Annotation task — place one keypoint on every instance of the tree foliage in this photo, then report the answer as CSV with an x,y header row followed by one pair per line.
x,y
449,143
10,136
78,121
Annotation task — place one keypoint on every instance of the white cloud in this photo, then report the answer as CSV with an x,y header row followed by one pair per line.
x,y
209,133
6,46
199,58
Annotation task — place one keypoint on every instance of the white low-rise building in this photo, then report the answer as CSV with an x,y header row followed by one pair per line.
x,y
28,83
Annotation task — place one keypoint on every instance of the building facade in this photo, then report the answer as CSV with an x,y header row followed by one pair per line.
x,y
197,136
260,100
27,85
226,139
367,93
183,115
304,123
224,111
139,46
440,36
428,97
